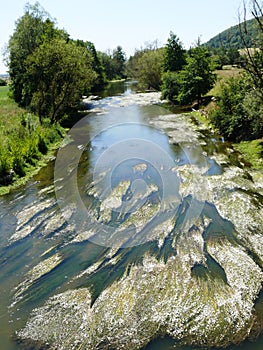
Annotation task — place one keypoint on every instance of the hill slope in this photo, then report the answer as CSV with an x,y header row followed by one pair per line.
x,y
231,37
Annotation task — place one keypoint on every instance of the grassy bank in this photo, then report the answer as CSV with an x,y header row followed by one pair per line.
x,y
24,143
222,76
251,151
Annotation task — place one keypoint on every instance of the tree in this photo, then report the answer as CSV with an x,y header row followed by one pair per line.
x,y
97,65
32,29
228,114
174,54
171,86
238,115
58,73
197,76
108,65
114,63
190,83
119,59
146,66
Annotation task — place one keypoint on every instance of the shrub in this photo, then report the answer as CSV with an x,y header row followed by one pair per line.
x,y
170,85
231,116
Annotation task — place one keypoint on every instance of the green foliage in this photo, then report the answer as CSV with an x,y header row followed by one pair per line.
x,y
228,115
238,115
96,64
225,56
174,54
171,85
119,59
22,148
49,72
58,73
32,29
23,141
198,75
252,152
108,65
114,64
146,66
254,66
191,82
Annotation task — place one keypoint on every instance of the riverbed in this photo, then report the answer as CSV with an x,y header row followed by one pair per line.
x,y
146,231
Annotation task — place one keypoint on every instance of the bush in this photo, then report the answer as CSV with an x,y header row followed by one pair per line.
x,y
6,162
229,116
170,85
24,145
238,115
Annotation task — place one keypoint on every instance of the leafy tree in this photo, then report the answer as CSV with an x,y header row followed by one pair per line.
x,y
171,86
174,54
228,115
197,76
238,115
132,67
119,59
253,111
114,63
32,29
58,73
146,66
190,83
108,65
97,65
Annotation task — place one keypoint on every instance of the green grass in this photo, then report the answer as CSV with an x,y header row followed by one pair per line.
x,y
252,152
223,75
23,142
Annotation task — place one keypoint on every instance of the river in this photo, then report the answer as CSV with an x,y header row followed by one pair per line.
x,y
145,231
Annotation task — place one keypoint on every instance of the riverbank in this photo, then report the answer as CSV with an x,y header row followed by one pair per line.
x,y
25,144
251,152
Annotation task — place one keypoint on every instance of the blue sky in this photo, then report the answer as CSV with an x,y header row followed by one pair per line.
x,y
108,23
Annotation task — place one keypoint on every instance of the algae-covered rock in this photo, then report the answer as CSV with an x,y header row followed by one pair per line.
x,y
63,321
38,271
157,299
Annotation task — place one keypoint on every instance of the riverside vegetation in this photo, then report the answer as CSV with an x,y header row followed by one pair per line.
x,y
49,73
24,141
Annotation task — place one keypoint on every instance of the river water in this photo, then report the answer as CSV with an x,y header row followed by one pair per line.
x,y
91,215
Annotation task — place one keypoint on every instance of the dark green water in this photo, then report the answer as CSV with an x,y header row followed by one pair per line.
x,y
34,209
